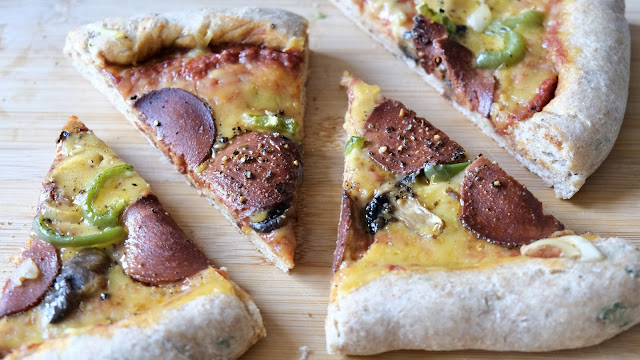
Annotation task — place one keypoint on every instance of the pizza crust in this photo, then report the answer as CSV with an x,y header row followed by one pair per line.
x,y
127,41
213,326
530,305
574,133
229,25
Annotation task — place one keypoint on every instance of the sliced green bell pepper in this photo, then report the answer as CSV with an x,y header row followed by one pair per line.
x,y
437,16
112,216
272,123
355,142
526,19
42,227
439,173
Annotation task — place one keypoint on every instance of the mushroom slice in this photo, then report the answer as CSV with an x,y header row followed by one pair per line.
x,y
415,216
569,246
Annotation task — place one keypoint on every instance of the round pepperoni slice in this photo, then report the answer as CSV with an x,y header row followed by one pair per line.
x,y
499,209
22,297
255,172
403,143
157,251
182,121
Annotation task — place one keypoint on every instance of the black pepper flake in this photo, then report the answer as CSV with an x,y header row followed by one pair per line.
x,y
134,97
281,112
154,211
105,296
236,152
223,139
63,136
273,26
134,184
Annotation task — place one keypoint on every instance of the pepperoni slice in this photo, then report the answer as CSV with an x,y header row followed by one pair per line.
x,y
157,251
499,209
182,121
21,298
353,241
472,86
403,143
256,171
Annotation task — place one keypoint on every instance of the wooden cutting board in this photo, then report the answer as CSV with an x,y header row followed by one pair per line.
x,y
39,90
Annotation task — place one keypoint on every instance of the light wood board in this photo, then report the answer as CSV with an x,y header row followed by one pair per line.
x,y
39,90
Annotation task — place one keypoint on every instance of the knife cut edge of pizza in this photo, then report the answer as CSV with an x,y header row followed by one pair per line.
x,y
149,294
442,286
569,138
130,41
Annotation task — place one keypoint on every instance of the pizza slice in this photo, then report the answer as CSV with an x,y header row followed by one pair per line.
x,y
547,80
440,251
221,93
108,274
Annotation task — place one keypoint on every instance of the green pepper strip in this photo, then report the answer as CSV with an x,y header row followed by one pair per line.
x,y
438,173
526,19
355,142
438,17
42,227
111,217
273,123
512,52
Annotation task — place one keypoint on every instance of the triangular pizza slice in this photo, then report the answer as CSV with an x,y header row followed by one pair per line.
x,y
547,80
437,250
108,274
221,93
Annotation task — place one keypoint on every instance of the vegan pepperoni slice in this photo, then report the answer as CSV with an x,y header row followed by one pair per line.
x,y
17,298
401,142
499,209
255,172
157,251
353,241
182,121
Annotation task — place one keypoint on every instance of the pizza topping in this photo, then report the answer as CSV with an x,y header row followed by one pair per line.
x,y
272,123
183,121
480,18
275,166
352,240
378,213
112,216
82,276
417,218
43,227
20,297
568,246
157,251
617,314
513,51
271,219
409,142
507,214
444,172
456,65
437,16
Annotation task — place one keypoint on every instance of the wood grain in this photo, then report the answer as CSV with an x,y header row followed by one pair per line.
x,y
39,90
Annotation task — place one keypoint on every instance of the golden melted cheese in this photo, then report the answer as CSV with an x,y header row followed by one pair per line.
x,y
127,298
231,90
396,248
85,156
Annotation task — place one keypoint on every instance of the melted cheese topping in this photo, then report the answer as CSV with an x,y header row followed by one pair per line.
x,y
232,90
518,84
127,299
396,248
85,156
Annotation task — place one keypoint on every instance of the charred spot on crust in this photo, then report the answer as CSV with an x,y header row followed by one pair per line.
x,y
63,136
